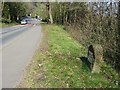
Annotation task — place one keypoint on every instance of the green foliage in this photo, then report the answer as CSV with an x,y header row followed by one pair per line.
x,y
93,22
12,10
61,67
40,10
5,20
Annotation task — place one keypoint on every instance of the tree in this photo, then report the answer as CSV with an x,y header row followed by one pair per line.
x,y
48,6
13,10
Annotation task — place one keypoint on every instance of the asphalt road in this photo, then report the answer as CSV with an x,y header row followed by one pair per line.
x,y
18,47
7,34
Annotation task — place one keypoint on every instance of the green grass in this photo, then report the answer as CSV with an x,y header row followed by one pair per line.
x,y
7,25
60,65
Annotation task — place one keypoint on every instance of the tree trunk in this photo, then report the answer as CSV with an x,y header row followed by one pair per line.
x,y
1,6
50,14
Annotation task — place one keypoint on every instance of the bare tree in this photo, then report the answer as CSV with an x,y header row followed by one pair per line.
x,y
48,5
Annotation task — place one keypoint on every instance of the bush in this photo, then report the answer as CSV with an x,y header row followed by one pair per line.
x,y
5,20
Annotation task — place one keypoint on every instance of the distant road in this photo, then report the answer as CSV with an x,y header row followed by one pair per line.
x,y
19,45
9,33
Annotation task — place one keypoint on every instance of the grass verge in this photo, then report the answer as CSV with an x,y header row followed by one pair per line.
x,y
7,25
57,64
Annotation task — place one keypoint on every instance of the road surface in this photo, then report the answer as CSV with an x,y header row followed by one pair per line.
x,y
18,47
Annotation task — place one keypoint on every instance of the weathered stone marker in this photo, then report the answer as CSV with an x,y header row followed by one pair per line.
x,y
91,56
95,57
